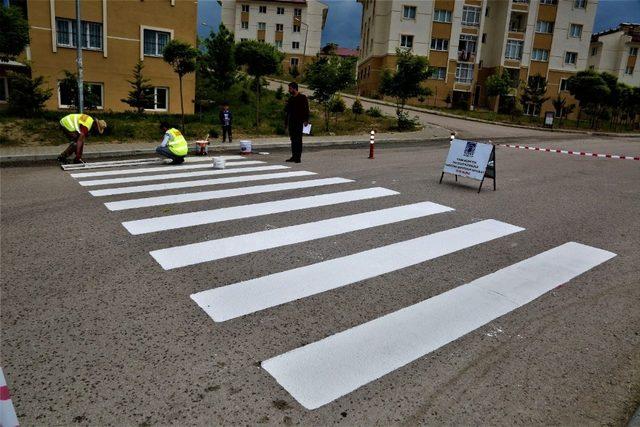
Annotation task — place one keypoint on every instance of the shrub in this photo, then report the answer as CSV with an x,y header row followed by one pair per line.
x,y
405,122
279,93
357,107
374,112
26,97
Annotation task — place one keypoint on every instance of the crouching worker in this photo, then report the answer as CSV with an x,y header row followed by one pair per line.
x,y
76,128
173,146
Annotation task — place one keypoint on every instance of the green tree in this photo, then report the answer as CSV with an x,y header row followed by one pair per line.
x,y
499,86
260,59
591,91
356,108
337,106
218,62
14,36
69,85
141,93
326,76
406,81
534,93
294,72
26,96
562,108
182,58
330,49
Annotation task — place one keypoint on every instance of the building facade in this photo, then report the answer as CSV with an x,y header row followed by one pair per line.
x,y
616,51
115,34
466,41
293,26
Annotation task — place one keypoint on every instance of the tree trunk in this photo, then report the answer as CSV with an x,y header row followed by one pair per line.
x,y
181,105
258,78
326,117
497,104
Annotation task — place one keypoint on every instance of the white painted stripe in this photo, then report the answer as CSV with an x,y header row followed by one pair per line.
x,y
177,174
146,160
175,168
199,183
323,371
240,299
181,256
220,194
191,219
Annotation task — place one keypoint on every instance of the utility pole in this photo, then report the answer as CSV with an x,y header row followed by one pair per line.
x,y
79,58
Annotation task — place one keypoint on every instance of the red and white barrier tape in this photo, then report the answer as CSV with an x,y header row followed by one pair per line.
x,y
8,416
575,153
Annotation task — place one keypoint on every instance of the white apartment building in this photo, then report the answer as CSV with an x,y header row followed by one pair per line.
x,y
293,26
616,51
468,40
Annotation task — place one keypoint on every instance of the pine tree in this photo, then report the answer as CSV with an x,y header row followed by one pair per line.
x,y
141,93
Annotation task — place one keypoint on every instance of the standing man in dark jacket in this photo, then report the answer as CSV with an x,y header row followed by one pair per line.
x,y
226,119
296,116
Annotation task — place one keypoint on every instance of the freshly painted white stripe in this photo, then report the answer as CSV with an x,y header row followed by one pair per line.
x,y
199,183
177,174
191,219
146,160
239,299
323,371
181,256
220,194
176,168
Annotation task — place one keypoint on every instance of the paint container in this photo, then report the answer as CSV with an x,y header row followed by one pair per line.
x,y
245,147
218,163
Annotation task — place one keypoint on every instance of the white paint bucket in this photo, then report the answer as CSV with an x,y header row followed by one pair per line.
x,y
218,163
245,147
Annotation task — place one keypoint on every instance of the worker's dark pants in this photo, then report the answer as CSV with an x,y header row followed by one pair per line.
x,y
226,132
295,134
164,151
73,145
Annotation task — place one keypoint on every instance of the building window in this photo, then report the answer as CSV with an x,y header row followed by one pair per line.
x,y
155,41
245,8
409,12
440,44
564,85
571,58
160,100
295,45
514,49
406,41
442,16
521,1
594,51
531,109
464,73
439,73
243,39
279,28
540,55
245,25
66,34
297,12
280,11
545,27
575,30
548,2
580,4
296,28
484,37
262,26
262,9
93,95
471,16
629,70
4,89
279,44
633,51
467,48
294,62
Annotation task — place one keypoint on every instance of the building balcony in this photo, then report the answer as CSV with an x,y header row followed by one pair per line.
x,y
466,56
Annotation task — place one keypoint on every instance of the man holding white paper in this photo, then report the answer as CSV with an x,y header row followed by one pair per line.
x,y
296,120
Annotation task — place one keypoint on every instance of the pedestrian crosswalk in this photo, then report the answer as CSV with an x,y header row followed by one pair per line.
x,y
321,372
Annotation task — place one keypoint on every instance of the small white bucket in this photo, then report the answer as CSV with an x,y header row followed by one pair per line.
x,y
245,147
218,163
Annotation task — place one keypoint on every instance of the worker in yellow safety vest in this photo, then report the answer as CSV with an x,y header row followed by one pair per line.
x,y
173,146
76,128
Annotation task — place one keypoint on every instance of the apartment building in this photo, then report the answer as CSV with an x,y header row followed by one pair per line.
x,y
115,34
293,26
616,51
468,40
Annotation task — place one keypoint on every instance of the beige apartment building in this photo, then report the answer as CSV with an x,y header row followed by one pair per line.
x,y
468,40
115,34
293,26
616,51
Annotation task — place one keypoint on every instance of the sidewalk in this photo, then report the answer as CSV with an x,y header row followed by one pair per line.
x,y
96,150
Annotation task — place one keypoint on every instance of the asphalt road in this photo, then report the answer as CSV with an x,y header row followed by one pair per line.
x,y
95,331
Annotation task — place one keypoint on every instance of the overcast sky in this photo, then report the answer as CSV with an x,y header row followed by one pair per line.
x,y
343,21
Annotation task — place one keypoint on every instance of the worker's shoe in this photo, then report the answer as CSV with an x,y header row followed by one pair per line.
x,y
62,160
177,161
78,162
290,160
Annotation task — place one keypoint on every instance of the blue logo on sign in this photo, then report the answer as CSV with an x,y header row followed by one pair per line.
x,y
470,149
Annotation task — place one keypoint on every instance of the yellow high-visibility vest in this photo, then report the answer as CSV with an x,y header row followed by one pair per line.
x,y
72,122
177,144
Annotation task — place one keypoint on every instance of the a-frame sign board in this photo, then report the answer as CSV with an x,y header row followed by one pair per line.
x,y
472,160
